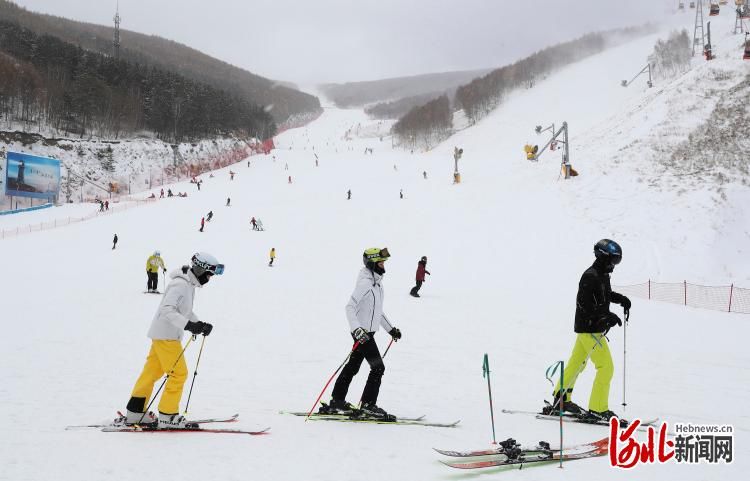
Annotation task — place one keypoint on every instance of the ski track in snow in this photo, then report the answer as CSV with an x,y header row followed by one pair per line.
x,y
506,249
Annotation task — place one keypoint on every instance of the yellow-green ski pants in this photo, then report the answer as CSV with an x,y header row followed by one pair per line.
x,y
592,346
160,360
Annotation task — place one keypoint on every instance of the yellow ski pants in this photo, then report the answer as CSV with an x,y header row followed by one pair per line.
x,y
592,346
161,359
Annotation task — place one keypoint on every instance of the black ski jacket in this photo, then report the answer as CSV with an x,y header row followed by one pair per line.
x,y
592,302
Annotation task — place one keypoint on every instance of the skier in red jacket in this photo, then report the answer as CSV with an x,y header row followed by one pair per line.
x,y
421,271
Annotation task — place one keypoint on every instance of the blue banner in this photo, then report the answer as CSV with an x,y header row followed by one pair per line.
x,y
32,176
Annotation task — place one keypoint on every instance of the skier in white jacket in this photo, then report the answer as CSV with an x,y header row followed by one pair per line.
x,y
364,311
174,316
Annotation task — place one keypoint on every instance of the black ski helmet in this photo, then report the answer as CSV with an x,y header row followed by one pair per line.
x,y
608,250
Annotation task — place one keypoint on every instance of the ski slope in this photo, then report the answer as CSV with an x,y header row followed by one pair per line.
x,y
506,248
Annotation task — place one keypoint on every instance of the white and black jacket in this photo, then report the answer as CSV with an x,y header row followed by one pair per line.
x,y
365,306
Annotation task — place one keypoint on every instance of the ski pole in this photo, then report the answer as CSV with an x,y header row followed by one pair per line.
x,y
624,355
386,349
553,368
195,373
165,378
356,345
486,372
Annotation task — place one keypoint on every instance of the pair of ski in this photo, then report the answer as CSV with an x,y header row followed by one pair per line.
x,y
358,418
582,419
119,427
510,453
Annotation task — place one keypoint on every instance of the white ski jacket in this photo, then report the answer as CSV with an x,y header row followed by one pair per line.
x,y
176,307
365,307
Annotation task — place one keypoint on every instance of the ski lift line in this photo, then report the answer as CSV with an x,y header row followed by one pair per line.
x,y
647,68
69,172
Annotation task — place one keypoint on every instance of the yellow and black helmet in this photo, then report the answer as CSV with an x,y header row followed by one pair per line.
x,y
375,254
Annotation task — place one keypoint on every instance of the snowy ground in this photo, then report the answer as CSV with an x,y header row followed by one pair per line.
x,y
506,249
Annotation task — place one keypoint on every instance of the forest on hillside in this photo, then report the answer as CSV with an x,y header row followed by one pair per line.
x,y
46,81
285,104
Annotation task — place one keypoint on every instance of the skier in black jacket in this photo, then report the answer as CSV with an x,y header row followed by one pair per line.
x,y
592,321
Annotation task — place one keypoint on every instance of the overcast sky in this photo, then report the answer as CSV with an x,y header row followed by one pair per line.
x,y
313,41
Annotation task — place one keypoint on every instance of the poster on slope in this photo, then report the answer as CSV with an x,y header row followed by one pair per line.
x,y
31,176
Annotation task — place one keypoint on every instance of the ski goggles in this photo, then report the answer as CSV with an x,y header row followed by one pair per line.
x,y
379,256
217,269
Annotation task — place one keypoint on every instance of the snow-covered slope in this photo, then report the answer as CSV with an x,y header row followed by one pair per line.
x,y
506,248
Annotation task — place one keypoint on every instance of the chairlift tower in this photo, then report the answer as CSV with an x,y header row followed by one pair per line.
x,y
698,26
116,40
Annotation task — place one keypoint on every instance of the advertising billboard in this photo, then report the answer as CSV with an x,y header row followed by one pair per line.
x,y
31,176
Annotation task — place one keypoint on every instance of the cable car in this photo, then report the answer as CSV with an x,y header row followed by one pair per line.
x,y
681,6
714,10
692,4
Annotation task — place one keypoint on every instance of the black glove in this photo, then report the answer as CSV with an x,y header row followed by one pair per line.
x,y
612,320
207,328
361,335
197,327
395,333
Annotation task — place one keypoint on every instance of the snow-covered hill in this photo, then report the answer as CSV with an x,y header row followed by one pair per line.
x,y
506,248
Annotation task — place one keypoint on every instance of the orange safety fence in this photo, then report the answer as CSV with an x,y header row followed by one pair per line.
x,y
719,298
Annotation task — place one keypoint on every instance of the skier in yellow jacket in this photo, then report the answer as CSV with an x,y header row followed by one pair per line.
x,y
152,271
272,254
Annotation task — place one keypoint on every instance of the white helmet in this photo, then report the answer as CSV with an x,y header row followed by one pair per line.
x,y
157,253
205,262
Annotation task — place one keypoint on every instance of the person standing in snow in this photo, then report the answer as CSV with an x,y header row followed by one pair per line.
x,y
174,316
114,242
421,271
349,194
365,315
593,320
228,201
272,254
255,224
209,216
203,223
152,271
162,194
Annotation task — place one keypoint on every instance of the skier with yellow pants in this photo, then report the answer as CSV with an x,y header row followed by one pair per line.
x,y
174,316
592,320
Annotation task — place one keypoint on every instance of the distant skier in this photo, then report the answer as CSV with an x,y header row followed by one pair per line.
x,y
364,311
424,174
106,205
174,315
286,166
169,193
231,175
421,271
198,184
593,320
272,254
290,179
260,224
153,264
401,193
228,201
203,223
209,216
162,194
114,242
255,224
349,194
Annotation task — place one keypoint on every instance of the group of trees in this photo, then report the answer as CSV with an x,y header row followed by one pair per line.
x,y
483,94
425,125
671,57
50,82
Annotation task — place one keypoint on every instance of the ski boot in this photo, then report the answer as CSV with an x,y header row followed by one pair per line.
x,y
371,410
568,406
338,406
175,421
132,418
602,417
